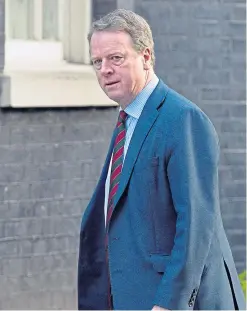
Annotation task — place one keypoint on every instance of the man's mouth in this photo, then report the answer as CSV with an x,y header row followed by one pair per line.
x,y
111,83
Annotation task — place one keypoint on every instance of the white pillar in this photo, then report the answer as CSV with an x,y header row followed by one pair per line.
x,y
38,19
77,19
7,22
61,8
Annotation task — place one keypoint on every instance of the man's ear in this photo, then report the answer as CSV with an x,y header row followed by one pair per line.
x,y
147,59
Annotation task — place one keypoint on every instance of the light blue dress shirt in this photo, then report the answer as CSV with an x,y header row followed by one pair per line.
x,y
134,111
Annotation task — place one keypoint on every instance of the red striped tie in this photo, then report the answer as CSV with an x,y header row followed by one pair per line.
x,y
117,162
116,169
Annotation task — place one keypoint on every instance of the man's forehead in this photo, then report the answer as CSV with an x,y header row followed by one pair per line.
x,y
110,35
106,41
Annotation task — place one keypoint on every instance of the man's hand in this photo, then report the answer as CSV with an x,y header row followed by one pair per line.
x,y
157,308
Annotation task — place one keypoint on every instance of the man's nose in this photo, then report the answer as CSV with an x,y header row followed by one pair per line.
x,y
106,68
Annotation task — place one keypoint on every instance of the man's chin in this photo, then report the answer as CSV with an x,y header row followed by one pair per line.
x,y
116,98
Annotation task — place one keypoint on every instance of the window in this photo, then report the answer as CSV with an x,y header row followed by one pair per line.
x,y
47,54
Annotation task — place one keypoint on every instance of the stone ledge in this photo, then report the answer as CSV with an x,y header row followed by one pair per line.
x,y
40,78
56,89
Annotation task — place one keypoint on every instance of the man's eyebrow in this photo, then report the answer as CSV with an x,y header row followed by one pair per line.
x,y
95,57
114,53
108,55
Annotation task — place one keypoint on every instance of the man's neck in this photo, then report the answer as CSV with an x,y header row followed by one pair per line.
x,y
149,77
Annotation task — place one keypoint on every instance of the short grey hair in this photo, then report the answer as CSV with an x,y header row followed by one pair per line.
x,y
129,22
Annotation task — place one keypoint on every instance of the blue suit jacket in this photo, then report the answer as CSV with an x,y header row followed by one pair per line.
x,y
167,245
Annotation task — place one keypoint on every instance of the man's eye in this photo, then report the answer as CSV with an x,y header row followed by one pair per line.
x,y
116,57
97,62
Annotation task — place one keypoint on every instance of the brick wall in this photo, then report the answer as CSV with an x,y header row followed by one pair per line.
x,y
102,7
49,165
200,52
50,159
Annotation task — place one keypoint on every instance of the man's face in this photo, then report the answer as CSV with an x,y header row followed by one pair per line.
x,y
121,71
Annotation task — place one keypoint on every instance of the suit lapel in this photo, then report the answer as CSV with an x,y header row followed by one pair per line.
x,y
143,126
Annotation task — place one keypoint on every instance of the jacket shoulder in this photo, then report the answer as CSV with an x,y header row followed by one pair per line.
x,y
178,107
181,104
178,114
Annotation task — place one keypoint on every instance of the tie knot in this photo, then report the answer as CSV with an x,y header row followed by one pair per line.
x,y
122,116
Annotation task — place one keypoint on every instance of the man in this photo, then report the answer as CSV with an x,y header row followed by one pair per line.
x,y
152,235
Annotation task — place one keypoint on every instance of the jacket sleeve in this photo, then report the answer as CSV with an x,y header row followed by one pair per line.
x,y
192,170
